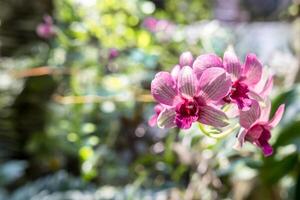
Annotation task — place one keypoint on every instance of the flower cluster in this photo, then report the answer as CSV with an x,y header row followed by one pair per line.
x,y
198,90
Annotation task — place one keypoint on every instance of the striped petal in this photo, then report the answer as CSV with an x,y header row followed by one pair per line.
x,y
212,116
232,65
252,70
163,88
187,82
166,119
250,116
214,84
206,61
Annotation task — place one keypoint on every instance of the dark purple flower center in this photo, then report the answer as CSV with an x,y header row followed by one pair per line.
x,y
260,135
188,108
238,93
186,113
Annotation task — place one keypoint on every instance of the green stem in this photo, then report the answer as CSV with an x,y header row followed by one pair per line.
x,y
216,134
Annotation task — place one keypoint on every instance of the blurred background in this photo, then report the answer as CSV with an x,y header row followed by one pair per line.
x,y
75,101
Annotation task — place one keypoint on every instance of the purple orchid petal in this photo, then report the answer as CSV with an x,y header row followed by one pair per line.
x,y
277,116
184,122
186,59
212,116
214,84
232,65
250,115
163,88
206,61
252,70
254,133
166,119
187,82
267,150
263,143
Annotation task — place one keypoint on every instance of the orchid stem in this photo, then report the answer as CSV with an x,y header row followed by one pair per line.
x,y
216,134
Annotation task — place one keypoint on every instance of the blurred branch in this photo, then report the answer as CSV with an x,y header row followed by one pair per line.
x,y
46,70
39,71
146,98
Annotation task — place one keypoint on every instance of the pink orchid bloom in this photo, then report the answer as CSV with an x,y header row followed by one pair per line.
x,y
187,99
46,29
257,126
185,59
153,119
244,77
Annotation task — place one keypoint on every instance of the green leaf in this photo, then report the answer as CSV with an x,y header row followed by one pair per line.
x,y
289,134
273,170
288,98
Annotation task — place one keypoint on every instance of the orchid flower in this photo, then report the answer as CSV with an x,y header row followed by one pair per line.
x,y
46,29
257,126
187,99
186,59
244,77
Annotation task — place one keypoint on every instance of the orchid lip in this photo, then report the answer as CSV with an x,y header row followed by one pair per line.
x,y
186,113
238,94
